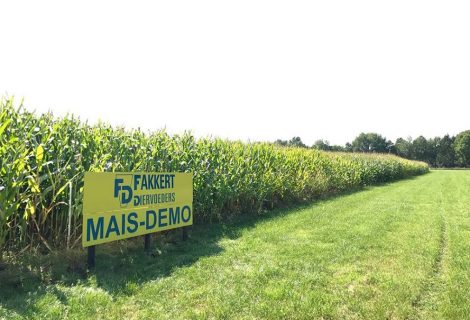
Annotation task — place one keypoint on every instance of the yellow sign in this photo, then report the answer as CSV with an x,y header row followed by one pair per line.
x,y
118,205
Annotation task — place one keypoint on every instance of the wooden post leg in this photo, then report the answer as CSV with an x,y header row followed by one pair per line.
x,y
147,242
91,257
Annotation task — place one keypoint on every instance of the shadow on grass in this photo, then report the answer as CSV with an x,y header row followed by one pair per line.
x,y
121,267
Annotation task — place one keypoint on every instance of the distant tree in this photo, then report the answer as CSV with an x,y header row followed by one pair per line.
x,y
322,145
433,148
337,148
370,142
403,147
390,147
281,142
462,148
296,142
445,153
421,150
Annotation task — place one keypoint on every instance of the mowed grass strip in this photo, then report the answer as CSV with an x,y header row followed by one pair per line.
x,y
398,251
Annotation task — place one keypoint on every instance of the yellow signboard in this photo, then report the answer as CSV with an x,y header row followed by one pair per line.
x,y
118,205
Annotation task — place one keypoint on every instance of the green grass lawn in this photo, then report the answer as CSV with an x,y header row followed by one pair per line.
x,y
396,251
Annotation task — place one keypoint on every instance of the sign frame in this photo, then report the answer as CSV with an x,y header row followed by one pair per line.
x,y
121,205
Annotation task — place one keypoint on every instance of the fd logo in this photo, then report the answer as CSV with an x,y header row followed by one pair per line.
x,y
123,189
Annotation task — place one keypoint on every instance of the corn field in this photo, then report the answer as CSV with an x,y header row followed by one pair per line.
x,y
43,160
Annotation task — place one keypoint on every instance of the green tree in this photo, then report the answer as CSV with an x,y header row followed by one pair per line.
x,y
337,148
462,148
370,142
281,142
296,142
421,150
403,147
445,153
322,145
391,147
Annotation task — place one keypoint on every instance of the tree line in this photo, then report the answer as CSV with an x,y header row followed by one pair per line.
x,y
445,152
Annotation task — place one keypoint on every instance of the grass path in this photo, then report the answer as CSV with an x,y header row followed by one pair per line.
x,y
399,251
